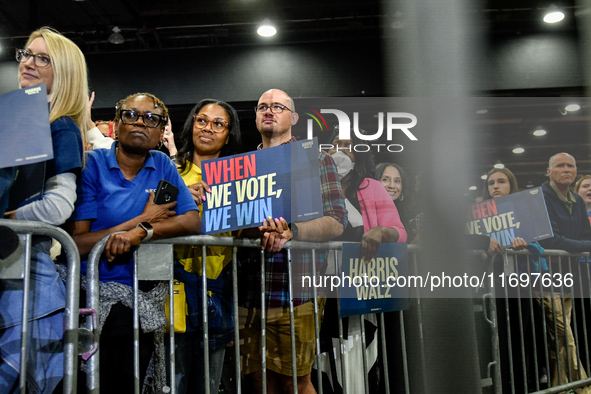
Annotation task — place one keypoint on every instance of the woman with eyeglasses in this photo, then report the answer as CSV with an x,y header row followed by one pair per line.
x,y
116,199
51,59
212,130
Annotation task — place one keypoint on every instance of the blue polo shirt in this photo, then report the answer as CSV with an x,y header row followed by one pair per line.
x,y
107,198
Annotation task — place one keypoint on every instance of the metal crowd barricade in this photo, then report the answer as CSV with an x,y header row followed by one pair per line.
x,y
511,343
530,368
157,264
21,270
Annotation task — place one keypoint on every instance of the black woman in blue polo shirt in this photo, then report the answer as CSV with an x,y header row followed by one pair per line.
x,y
116,196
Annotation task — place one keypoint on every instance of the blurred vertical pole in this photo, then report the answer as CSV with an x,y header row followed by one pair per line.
x,y
584,25
584,34
433,52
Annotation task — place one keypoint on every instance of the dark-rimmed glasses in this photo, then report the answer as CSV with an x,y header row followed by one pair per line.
x,y
40,59
276,108
130,116
217,125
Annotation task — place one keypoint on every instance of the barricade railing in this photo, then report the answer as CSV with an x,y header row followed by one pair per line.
x,y
156,263
539,322
524,374
21,270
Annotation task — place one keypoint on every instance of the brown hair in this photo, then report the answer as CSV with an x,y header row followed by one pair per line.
x,y
512,182
578,185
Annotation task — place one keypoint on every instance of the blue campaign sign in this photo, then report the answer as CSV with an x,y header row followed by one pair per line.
x,y
26,119
283,181
522,214
374,287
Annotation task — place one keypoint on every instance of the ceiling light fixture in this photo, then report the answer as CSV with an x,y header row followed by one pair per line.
x,y
553,16
472,188
116,37
499,165
518,149
539,131
483,177
572,107
266,29
397,21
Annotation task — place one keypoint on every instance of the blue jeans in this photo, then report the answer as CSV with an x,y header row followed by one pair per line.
x,y
189,364
45,327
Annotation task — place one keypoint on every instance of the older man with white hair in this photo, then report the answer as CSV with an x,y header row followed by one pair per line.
x,y
568,216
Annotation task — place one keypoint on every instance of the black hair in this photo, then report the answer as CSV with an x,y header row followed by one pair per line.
x,y
185,154
380,168
403,201
364,166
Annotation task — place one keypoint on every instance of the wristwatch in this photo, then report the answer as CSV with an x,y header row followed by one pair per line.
x,y
294,230
149,230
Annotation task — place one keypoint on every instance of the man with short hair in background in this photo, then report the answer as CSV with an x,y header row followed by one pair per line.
x,y
572,233
275,114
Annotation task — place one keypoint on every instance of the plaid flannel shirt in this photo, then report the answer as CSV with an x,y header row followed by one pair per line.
x,y
276,276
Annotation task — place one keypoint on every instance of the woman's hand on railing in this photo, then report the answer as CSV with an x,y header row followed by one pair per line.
x,y
519,244
494,247
10,215
370,243
123,242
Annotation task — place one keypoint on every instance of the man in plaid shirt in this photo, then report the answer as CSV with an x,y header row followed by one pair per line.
x,y
275,114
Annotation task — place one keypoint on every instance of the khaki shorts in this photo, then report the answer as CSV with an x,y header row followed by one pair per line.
x,y
278,339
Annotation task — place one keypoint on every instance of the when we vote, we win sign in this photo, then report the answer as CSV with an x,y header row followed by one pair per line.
x,y
523,214
283,181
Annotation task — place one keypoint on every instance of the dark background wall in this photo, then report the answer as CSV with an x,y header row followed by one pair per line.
x,y
534,62
309,70
231,73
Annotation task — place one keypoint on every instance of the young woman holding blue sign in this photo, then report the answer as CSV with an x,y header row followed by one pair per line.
x,y
212,130
499,183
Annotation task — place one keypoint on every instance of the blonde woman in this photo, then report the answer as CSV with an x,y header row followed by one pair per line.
x,y
51,59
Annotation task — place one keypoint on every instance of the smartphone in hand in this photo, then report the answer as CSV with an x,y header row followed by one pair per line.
x,y
165,193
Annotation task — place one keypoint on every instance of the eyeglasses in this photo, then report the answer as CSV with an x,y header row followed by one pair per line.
x,y
40,60
275,108
129,116
217,125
